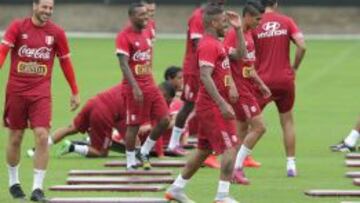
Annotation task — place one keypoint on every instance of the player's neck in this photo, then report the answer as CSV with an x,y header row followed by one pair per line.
x,y
212,33
37,22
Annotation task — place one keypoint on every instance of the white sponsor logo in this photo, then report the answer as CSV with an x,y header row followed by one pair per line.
x,y
271,26
35,53
272,29
225,63
142,55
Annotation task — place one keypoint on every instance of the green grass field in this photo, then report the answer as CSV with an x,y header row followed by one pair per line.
x,y
327,105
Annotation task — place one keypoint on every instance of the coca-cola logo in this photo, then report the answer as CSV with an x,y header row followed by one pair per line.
x,y
142,55
35,53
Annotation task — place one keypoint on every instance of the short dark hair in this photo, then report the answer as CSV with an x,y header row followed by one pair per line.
x,y
253,7
169,88
147,1
269,3
171,72
133,7
210,12
36,1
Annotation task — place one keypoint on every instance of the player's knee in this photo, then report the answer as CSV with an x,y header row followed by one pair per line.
x,y
260,128
165,121
41,137
16,140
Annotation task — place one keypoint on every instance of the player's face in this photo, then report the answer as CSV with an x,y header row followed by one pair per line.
x,y
220,24
177,82
252,21
44,10
140,17
151,8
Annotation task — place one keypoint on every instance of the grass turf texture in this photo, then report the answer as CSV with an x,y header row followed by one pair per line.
x,y
326,108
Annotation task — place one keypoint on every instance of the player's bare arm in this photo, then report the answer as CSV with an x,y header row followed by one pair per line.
x,y
235,21
206,79
299,41
124,65
265,90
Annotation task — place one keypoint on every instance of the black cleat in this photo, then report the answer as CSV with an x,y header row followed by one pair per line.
x,y
38,196
16,191
342,147
144,160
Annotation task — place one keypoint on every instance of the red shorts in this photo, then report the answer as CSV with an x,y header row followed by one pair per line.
x,y
154,107
20,111
97,120
191,87
284,98
215,132
246,108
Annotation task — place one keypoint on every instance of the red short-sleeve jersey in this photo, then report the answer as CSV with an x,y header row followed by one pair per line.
x,y
138,47
195,31
211,52
240,68
272,43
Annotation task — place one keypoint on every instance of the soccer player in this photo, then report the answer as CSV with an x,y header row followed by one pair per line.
x,y
217,129
151,9
97,118
349,143
34,41
272,45
250,124
174,75
191,75
144,101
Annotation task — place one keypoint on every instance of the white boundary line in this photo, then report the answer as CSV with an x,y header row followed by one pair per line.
x,y
109,35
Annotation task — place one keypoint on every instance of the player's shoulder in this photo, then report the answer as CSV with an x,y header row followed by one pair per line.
x,y
19,22
55,28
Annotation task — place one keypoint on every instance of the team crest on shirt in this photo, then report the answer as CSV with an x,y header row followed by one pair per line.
x,y
24,36
49,40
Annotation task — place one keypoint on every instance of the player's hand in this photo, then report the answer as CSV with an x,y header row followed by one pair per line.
x,y
227,111
233,94
234,19
138,95
74,102
265,91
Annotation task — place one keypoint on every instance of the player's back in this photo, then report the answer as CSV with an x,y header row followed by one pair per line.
x,y
272,41
113,98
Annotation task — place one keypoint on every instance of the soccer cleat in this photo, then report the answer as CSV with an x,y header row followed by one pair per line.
x,y
250,162
212,162
178,195
177,152
226,200
291,173
144,160
64,148
131,168
30,152
16,191
38,196
342,147
239,177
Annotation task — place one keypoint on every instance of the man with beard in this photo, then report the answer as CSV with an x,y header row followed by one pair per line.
x,y
34,42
